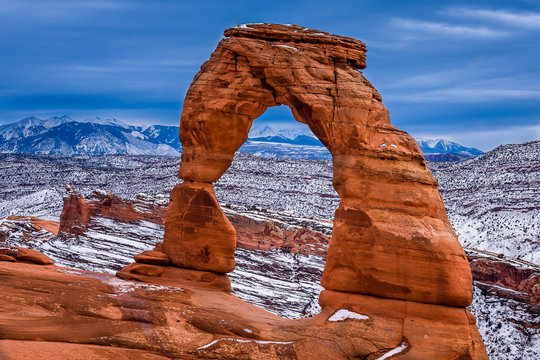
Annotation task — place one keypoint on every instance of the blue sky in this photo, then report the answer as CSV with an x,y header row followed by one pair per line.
x,y
468,71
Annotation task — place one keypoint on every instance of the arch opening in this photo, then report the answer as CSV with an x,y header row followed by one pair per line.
x,y
276,134
284,226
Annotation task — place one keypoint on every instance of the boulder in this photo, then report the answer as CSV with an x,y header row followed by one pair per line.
x,y
175,276
152,257
29,255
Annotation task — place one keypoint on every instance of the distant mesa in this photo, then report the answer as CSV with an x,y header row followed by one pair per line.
x,y
100,136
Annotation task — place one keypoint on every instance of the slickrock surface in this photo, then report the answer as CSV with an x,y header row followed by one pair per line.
x,y
56,313
391,234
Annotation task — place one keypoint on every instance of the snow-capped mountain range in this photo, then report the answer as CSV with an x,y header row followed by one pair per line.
x,y
62,135
442,146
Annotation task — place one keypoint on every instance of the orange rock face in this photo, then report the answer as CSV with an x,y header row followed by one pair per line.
x,y
198,235
262,234
391,234
15,253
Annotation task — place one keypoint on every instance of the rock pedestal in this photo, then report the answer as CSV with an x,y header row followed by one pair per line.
x,y
198,235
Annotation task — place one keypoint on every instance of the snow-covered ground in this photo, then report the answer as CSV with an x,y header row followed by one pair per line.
x,y
493,201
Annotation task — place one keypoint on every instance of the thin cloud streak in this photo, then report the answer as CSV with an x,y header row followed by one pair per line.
x,y
526,20
444,28
466,95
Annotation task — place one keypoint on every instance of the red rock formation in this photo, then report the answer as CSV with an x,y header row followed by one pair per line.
x,y
78,211
75,213
197,232
514,279
391,234
260,233
152,257
15,253
64,314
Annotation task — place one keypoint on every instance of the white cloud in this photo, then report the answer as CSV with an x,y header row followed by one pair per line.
x,y
425,79
527,20
448,29
465,95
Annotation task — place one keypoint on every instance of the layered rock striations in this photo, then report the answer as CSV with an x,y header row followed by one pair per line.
x,y
78,211
27,230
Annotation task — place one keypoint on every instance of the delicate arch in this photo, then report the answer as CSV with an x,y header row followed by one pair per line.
x,y
391,234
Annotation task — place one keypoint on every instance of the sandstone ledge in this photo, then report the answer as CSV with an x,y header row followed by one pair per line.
x,y
59,313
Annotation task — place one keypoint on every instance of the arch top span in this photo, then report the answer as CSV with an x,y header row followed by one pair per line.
x,y
257,66
391,234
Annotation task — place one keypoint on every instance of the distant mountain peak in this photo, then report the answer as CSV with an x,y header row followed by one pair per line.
x,y
262,131
106,121
267,131
438,146
63,135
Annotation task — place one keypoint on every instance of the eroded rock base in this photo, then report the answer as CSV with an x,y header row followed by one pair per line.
x,y
198,235
88,315
424,331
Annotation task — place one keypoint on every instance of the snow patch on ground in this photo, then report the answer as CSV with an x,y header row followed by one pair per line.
x,y
344,314
393,352
287,47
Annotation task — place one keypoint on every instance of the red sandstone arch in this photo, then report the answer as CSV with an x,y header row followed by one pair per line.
x,y
391,234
